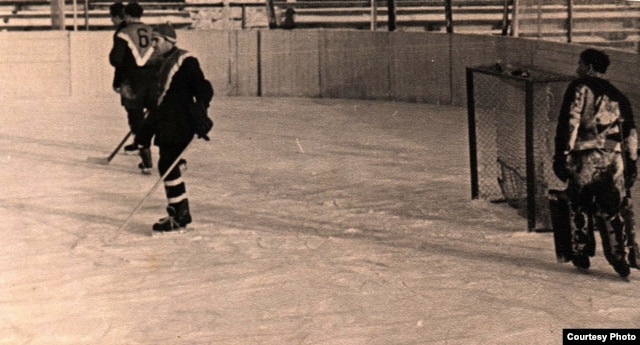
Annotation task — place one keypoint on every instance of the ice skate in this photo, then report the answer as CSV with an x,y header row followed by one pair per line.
x,y
131,149
581,262
166,224
146,164
177,220
144,170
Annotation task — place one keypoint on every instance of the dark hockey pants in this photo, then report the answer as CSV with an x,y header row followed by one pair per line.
x,y
135,118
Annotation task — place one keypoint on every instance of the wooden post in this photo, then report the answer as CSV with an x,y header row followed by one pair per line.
x,y
271,14
374,15
75,15
391,11
515,24
448,14
57,14
539,24
86,15
244,17
505,17
569,20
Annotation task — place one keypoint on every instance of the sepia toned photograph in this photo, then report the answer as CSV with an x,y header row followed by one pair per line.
x,y
319,172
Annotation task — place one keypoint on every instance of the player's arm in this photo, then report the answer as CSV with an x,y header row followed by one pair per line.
x,y
629,131
200,87
629,143
118,77
118,52
569,119
576,109
567,128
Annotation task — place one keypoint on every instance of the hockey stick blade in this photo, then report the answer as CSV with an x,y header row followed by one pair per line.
x,y
98,160
107,160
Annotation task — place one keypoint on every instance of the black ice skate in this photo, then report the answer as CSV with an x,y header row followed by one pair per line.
x,y
146,164
581,261
178,219
144,170
131,149
167,224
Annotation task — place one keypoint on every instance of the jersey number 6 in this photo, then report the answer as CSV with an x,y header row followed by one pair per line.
x,y
143,38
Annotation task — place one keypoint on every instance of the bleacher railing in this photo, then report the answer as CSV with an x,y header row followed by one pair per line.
x,y
594,22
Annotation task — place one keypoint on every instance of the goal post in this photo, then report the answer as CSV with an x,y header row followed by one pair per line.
x,y
512,114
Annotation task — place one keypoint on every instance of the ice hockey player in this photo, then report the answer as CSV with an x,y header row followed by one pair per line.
x,y
132,55
182,88
116,12
596,152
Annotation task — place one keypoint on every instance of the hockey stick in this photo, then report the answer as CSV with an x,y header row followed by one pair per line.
x,y
153,188
107,160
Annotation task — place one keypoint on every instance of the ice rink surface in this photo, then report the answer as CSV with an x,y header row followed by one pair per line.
x,y
316,221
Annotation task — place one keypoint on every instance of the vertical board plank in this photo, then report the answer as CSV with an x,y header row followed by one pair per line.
x,y
355,64
420,67
245,66
290,63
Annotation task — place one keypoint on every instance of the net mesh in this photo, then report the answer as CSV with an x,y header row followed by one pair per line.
x,y
500,119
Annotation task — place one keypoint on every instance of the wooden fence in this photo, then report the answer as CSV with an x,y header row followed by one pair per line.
x,y
410,66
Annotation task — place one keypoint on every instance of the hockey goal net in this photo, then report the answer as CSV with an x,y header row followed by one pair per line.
x,y
512,114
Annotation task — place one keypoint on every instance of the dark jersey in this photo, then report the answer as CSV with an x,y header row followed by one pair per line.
x,y
132,50
181,82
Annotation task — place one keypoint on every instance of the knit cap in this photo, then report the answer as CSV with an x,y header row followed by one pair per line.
x,y
167,32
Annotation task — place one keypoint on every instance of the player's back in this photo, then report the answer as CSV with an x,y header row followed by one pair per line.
x,y
137,37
